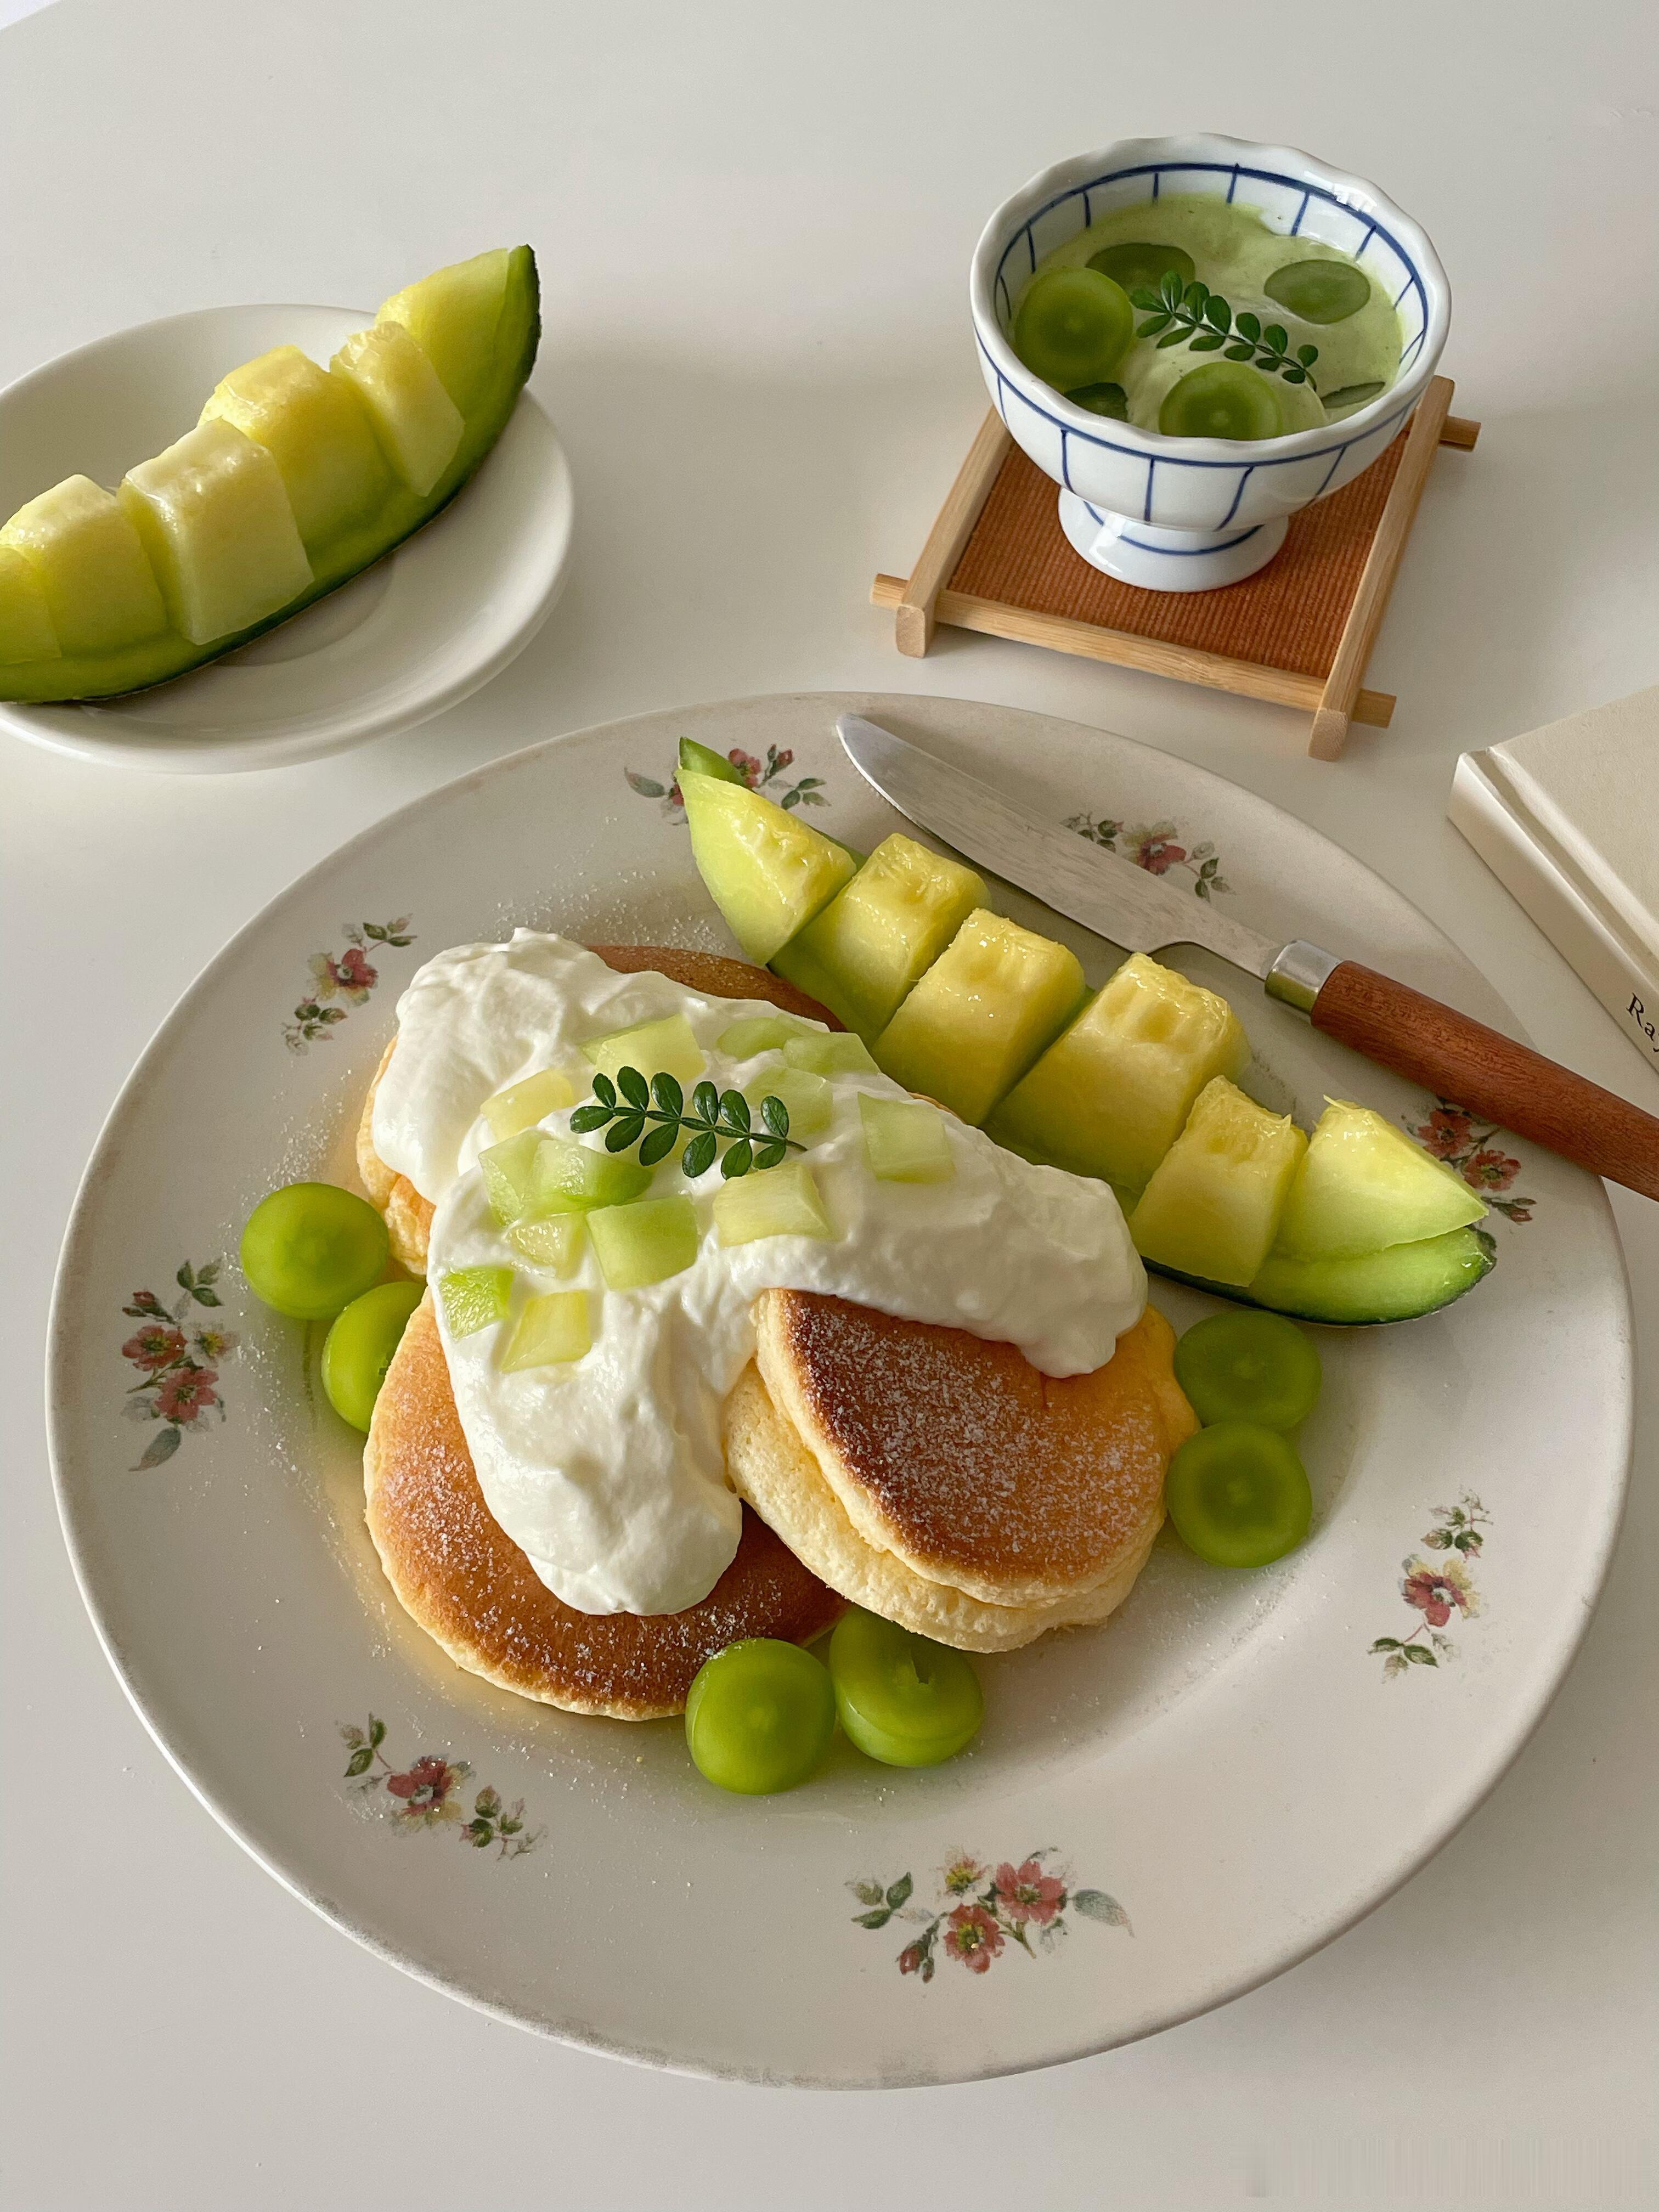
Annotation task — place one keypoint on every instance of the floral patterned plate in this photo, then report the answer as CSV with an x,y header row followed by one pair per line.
x,y
1158,1813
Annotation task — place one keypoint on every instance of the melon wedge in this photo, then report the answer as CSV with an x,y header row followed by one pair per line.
x,y
767,872
99,589
215,520
1364,1186
26,630
1400,1284
452,317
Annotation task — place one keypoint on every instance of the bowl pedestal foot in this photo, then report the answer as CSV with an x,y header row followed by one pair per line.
x,y
1159,560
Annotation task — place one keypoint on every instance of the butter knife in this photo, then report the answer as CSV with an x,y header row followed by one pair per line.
x,y
1449,1054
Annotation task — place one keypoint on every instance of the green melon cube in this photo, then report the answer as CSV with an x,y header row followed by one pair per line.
x,y
757,1033
316,428
99,589
1213,1205
523,1104
417,424
573,1178
905,1140
766,871
216,522
980,1015
668,1046
830,1052
552,1328
453,316
473,1297
780,1201
645,1242
1364,1185
509,1173
26,630
555,1242
807,1099
1111,1096
881,933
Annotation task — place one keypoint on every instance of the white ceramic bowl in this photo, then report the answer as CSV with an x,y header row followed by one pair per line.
x,y
396,645
1180,515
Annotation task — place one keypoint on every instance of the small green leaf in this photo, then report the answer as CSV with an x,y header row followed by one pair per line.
x,y
900,1892
771,1156
605,1089
376,1732
634,1087
1307,355
185,1277
1208,342
1145,299
659,1143
1248,327
626,1132
705,1101
1099,1905
1150,330
1218,313
1386,1643
645,786
211,1274
590,1117
1239,352
734,1109
1172,338
1417,1656
1170,288
203,1296
776,1114
867,1892
161,1446
1195,295
1294,375
699,1155
360,1762
1277,336
738,1161
668,1095
878,1919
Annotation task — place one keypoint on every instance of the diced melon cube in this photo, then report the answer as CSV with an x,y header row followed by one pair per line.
x,y
453,316
523,1104
905,1140
668,1046
767,872
509,1174
806,1098
474,1297
220,533
553,1327
1213,1205
742,1040
780,1201
980,1015
418,425
644,1242
1111,1096
880,934
1364,1185
830,1052
316,428
26,630
573,1178
555,1243
99,589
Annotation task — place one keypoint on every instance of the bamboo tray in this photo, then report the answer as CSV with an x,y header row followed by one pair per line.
x,y
1298,632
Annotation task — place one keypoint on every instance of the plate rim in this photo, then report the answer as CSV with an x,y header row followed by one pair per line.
x,y
1507,1745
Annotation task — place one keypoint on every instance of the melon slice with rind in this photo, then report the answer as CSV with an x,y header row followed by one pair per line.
x,y
1364,1186
417,423
1213,1204
453,316
767,872
26,630
215,518
100,588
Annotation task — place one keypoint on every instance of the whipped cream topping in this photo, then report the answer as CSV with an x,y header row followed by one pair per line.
x,y
608,1471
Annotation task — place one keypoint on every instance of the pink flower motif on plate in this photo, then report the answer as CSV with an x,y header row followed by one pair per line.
x,y
1025,1892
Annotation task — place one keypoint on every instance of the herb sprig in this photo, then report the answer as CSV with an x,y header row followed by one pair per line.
x,y
1193,315
716,1116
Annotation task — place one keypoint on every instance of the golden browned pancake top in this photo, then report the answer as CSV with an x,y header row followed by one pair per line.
x,y
968,1462
470,1586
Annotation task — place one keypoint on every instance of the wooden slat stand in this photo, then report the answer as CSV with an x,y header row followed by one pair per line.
x,y
1298,632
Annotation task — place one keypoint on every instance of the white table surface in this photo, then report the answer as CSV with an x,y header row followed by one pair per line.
x,y
754,224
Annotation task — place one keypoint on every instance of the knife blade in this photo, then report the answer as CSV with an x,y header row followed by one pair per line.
x,y
1450,1053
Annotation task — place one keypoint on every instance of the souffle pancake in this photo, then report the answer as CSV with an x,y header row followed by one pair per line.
x,y
934,1475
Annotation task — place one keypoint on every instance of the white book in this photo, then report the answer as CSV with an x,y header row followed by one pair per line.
x,y
1567,819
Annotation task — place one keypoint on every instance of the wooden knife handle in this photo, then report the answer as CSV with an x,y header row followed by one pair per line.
x,y
1463,1060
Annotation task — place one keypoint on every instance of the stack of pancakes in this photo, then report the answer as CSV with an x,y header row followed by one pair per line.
x,y
939,1479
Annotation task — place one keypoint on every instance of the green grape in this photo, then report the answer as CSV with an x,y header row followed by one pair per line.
x,y
311,1247
1142,264
901,1700
759,1717
1352,395
1109,399
1223,399
1247,1366
1320,291
1073,327
1238,1495
358,1348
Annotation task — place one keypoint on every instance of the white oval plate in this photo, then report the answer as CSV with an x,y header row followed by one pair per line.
x,y
396,645
1223,1778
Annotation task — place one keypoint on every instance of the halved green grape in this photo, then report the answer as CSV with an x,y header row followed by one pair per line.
x,y
703,760
573,1178
1247,1366
551,1328
901,1700
667,1046
1073,327
555,1243
509,1174
474,1298
1320,291
833,1052
1223,399
905,1141
311,1247
358,1348
1109,399
753,1033
806,1098
1352,395
781,1202
1238,1495
1143,262
521,1105
645,1242
759,1717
